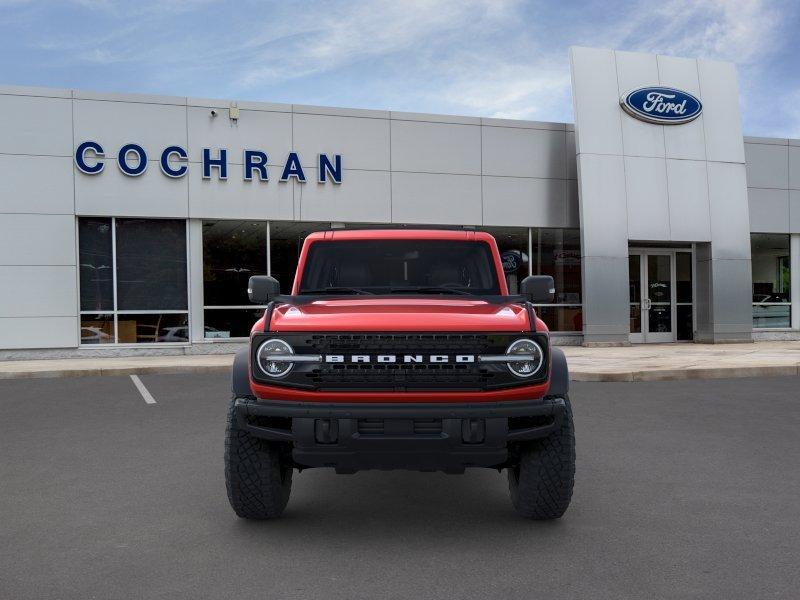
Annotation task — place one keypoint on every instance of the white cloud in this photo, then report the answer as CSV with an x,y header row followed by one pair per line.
x,y
736,30
505,58
358,31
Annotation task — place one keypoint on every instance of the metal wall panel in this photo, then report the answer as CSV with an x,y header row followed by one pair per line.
x,y
687,141
151,194
36,184
270,132
767,166
114,124
525,202
794,211
635,70
38,332
29,239
732,298
730,210
689,217
606,312
769,210
722,122
35,125
239,199
517,152
594,75
423,147
794,167
365,198
603,209
436,199
38,291
646,191
569,153
573,204
363,143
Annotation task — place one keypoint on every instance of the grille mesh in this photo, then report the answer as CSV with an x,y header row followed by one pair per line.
x,y
401,375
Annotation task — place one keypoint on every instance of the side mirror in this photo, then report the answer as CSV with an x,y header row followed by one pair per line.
x,y
262,288
539,289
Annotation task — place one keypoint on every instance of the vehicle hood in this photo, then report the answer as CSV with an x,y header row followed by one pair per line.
x,y
400,314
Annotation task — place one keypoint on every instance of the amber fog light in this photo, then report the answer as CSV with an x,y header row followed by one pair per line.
x,y
269,357
525,358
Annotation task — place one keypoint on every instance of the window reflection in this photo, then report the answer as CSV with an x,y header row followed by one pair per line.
x,y
771,280
148,272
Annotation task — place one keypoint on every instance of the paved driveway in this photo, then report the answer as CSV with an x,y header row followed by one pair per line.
x,y
684,490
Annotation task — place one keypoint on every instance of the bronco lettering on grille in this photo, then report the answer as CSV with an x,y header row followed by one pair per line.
x,y
403,358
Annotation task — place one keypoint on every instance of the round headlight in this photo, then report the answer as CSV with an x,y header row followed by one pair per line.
x,y
527,358
268,365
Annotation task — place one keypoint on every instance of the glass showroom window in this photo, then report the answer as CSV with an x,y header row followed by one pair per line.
x,y
233,251
557,252
133,281
771,280
554,252
512,242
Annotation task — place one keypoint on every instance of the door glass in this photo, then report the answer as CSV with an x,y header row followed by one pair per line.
x,y
635,293
683,277
685,330
683,291
659,292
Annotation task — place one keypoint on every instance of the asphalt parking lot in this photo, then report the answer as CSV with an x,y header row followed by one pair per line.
x,y
684,490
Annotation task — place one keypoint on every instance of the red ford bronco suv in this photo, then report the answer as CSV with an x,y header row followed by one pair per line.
x,y
400,349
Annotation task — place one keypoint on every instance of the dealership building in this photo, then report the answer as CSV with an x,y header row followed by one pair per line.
x,y
130,224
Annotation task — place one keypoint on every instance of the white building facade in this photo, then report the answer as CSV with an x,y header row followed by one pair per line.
x,y
130,223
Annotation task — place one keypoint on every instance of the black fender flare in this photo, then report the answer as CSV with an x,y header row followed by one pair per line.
x,y
240,377
559,373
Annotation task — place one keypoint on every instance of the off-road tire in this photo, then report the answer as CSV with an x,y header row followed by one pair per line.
x,y
257,480
541,483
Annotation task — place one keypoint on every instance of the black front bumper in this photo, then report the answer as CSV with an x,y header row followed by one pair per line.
x,y
423,437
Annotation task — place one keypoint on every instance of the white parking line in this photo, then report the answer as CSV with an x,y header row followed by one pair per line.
x,y
148,397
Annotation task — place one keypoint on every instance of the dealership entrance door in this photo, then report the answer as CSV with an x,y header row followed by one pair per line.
x,y
661,295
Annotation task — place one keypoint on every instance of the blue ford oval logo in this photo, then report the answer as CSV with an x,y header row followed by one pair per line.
x,y
512,261
663,105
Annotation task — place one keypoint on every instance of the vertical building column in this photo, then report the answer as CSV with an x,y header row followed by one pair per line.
x,y
196,314
794,261
730,266
601,196
604,250
269,249
703,301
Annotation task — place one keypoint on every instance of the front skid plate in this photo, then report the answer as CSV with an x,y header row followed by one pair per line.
x,y
326,435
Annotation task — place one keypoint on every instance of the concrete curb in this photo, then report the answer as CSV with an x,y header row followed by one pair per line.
x,y
114,371
733,372
587,376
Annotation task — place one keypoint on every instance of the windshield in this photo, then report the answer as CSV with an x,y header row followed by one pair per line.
x,y
400,266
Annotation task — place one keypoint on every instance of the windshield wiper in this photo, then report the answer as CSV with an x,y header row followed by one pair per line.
x,y
430,289
338,290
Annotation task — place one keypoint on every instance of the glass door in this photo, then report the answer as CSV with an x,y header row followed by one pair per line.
x,y
658,302
660,295
635,294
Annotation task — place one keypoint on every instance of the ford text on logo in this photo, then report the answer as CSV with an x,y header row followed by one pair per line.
x,y
662,105
132,161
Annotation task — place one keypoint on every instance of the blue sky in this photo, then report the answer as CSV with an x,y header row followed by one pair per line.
x,y
503,58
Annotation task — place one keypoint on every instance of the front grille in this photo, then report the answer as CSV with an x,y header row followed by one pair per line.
x,y
388,343
400,376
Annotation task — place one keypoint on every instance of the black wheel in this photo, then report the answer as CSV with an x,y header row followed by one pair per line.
x,y
257,479
541,483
